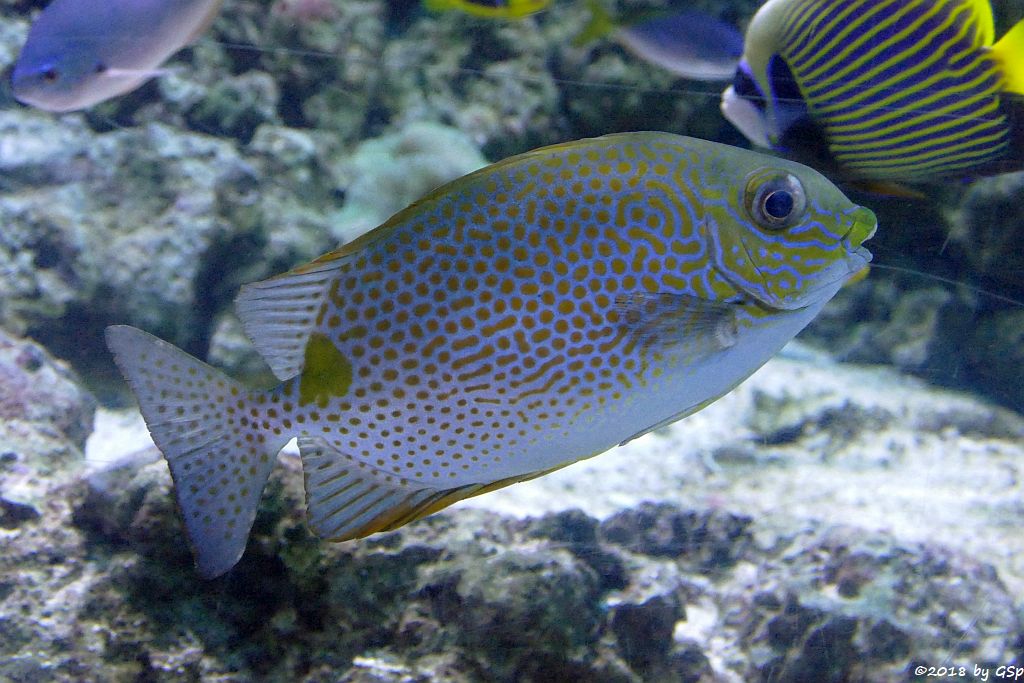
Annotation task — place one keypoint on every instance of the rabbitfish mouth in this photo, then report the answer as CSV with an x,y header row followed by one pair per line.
x,y
864,224
863,227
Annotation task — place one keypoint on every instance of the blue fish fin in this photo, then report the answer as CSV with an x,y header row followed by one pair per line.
x,y
663,320
279,313
347,499
1009,52
141,73
219,465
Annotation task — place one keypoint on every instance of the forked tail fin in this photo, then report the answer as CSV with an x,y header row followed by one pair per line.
x,y
219,457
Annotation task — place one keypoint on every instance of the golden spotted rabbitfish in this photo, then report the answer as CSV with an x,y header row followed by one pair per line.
x,y
531,314
890,90
490,9
688,43
82,52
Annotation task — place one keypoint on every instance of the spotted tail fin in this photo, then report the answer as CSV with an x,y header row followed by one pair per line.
x,y
219,460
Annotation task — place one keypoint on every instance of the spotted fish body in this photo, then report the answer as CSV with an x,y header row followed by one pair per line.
x,y
531,314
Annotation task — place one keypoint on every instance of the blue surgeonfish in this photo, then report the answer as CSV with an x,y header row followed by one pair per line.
x,y
531,314
688,43
81,52
886,90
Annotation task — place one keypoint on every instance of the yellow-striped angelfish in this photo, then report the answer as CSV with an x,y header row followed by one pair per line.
x,y
893,90
531,314
490,9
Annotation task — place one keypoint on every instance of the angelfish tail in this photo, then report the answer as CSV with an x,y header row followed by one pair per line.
x,y
198,417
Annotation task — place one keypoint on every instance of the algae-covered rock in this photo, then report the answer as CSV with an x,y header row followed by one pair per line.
x,y
386,174
989,226
37,388
159,228
470,595
481,597
150,226
996,354
839,606
644,630
708,542
45,417
236,106
488,78
114,223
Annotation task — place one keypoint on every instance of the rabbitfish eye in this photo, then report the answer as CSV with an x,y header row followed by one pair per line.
x,y
50,75
775,200
779,204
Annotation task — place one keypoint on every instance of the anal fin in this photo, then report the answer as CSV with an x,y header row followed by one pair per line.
x,y
346,499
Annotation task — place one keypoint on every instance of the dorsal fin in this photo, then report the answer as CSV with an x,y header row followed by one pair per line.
x,y
279,313
984,22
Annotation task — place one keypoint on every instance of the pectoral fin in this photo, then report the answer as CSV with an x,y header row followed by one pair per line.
x,y
663,320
